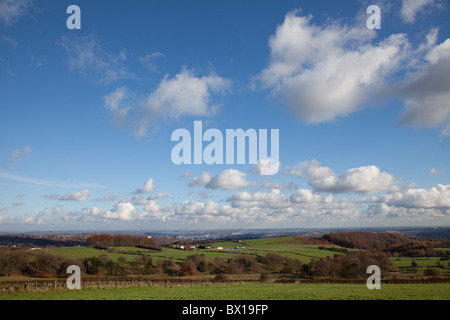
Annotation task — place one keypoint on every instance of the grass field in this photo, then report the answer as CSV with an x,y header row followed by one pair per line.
x,y
422,264
249,291
256,247
284,246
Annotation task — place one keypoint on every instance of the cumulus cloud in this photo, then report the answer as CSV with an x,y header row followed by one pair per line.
x,y
230,179
426,92
194,211
12,10
413,202
75,196
365,180
323,73
152,211
307,197
203,180
122,211
273,200
436,197
410,8
148,187
183,95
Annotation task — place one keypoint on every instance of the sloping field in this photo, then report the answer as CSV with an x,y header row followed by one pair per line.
x,y
285,246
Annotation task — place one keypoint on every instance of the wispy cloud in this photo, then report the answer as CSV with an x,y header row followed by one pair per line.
x,y
87,56
75,196
149,60
410,8
46,183
19,155
12,10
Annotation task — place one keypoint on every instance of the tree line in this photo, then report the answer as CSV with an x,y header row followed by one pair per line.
x,y
104,241
391,243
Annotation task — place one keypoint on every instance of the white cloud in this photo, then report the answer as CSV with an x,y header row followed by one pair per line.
x,y
122,211
181,96
87,56
366,179
426,92
410,8
161,195
323,73
230,179
273,200
75,196
114,103
204,179
2,207
184,95
194,212
95,211
436,197
148,187
12,10
307,197
152,211
433,202
28,220
435,172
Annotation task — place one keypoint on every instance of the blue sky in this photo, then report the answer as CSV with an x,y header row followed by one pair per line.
x,y
86,116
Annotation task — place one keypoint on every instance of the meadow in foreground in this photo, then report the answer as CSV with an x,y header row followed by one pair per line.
x,y
248,291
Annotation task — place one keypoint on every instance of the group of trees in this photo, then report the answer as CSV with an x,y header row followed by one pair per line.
x,y
388,242
42,264
107,240
351,265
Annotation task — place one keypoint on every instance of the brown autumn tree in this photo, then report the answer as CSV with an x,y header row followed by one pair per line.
x,y
13,262
188,268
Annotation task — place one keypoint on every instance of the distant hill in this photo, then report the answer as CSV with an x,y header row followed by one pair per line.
x,y
24,241
387,242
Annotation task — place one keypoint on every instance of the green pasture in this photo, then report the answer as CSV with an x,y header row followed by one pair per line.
x,y
254,247
248,291
405,263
